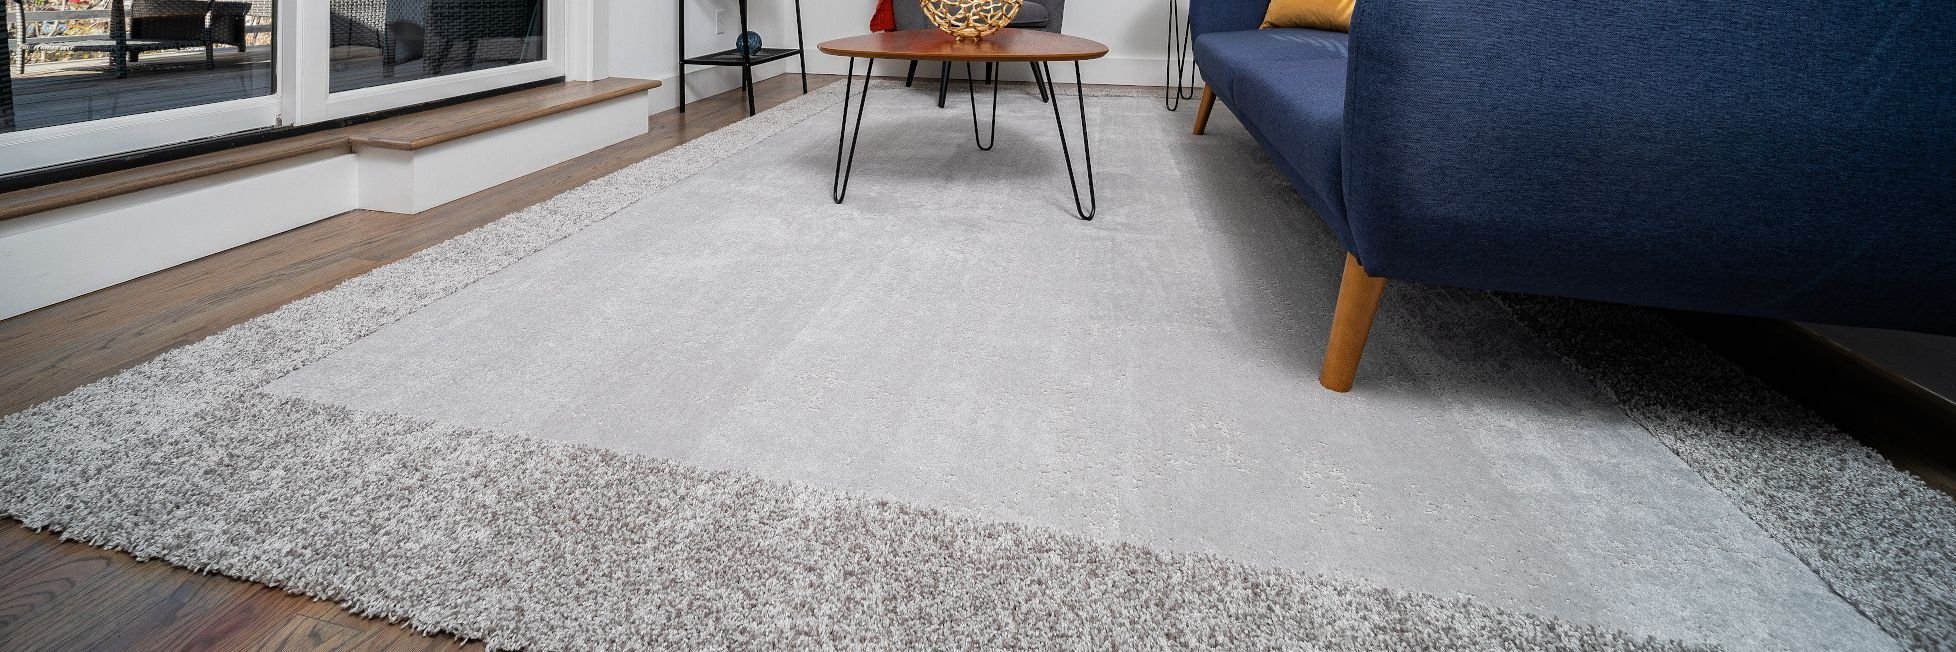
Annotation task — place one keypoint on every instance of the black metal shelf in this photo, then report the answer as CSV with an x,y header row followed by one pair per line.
x,y
734,58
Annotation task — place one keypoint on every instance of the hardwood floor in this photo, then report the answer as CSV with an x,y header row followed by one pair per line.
x,y
57,595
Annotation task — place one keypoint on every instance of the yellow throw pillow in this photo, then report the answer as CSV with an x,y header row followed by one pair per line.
x,y
1329,15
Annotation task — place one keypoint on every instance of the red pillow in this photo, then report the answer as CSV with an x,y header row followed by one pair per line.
x,y
884,19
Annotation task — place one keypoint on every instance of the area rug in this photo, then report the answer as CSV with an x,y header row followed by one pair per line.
x,y
697,404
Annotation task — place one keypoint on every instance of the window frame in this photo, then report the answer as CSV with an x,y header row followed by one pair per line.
x,y
310,101
32,149
44,147
300,96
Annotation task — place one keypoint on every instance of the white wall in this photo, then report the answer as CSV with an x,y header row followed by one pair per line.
x,y
642,41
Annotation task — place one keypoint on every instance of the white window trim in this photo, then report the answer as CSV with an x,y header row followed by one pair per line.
x,y
586,39
300,96
308,101
37,148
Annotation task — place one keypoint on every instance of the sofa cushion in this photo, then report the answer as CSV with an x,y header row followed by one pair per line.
x,y
1224,56
1288,87
1333,15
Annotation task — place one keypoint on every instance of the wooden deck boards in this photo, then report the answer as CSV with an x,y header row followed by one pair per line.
x,y
88,90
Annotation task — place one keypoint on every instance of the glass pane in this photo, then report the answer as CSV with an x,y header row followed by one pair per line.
x,y
78,60
388,41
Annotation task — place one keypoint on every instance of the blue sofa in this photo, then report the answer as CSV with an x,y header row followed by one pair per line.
x,y
1790,159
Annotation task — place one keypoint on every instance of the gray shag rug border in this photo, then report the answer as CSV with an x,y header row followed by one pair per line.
x,y
533,544
1880,537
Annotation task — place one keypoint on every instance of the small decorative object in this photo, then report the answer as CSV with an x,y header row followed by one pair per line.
x,y
970,20
748,44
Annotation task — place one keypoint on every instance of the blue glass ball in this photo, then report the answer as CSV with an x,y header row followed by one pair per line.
x,y
748,44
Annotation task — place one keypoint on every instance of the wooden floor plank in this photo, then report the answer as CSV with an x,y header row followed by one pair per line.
x,y
307,634
108,604
28,592
57,595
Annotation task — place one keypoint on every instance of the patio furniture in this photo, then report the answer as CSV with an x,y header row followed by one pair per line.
x,y
171,25
1041,15
6,75
396,27
430,30
15,36
185,20
470,23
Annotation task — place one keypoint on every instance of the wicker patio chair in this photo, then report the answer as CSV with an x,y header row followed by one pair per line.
x,y
167,25
470,23
396,27
6,73
206,23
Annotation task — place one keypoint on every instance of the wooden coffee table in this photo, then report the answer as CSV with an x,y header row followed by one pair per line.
x,y
1040,49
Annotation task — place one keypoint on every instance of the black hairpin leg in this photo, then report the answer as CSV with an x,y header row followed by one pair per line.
x,y
1181,82
1039,80
971,90
840,187
944,85
1086,211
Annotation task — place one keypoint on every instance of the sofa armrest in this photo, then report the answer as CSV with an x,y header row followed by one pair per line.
x,y
1207,16
1781,158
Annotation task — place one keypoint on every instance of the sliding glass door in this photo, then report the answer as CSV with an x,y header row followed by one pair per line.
x,y
364,56
94,78
88,78
377,42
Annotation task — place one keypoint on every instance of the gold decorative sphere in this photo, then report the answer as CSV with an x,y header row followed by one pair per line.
x,y
970,20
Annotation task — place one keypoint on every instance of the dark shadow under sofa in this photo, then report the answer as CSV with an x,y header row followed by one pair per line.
x,y
1790,159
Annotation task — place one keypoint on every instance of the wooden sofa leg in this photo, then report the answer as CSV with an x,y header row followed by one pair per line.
x,y
1358,302
1202,112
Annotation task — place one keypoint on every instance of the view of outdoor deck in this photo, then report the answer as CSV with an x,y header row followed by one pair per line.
x,y
123,57
77,91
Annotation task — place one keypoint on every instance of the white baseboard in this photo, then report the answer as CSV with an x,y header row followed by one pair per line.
x,y
68,252
707,81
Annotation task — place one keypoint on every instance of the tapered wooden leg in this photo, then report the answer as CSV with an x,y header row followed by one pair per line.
x,y
1358,301
1202,112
